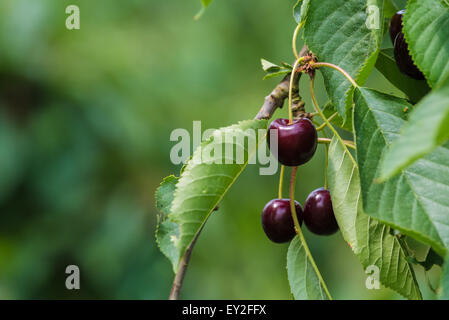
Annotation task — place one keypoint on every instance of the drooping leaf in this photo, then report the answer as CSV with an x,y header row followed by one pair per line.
x,y
270,75
268,66
300,10
427,128
297,11
386,64
416,201
206,178
426,30
371,241
336,31
166,230
304,282
274,70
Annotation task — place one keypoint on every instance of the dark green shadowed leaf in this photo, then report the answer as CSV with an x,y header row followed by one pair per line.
x,y
417,200
371,241
390,9
304,282
414,89
336,32
432,259
426,29
427,128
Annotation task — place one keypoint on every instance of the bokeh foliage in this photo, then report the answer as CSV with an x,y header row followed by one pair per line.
x,y
85,120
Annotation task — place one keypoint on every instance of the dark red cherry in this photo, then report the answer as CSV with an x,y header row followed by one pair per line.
x,y
318,213
396,25
404,60
297,142
277,221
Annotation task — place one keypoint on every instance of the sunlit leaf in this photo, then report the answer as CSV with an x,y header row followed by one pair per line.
x,y
336,31
304,282
426,29
371,241
204,181
427,128
417,200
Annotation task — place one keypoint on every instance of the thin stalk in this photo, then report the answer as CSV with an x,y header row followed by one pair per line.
x,y
299,232
326,160
326,164
326,141
290,89
318,109
295,36
281,182
323,125
182,269
333,66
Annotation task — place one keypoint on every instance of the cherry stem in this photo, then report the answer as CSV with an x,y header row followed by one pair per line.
x,y
320,112
326,160
300,234
295,36
348,143
333,66
290,89
326,164
323,125
281,181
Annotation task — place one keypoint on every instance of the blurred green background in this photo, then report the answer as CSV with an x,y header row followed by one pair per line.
x,y
85,120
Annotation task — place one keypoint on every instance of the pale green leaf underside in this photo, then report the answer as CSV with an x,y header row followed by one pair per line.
x,y
427,128
386,64
417,200
203,184
166,230
297,11
304,282
268,66
371,241
273,70
300,10
336,32
426,29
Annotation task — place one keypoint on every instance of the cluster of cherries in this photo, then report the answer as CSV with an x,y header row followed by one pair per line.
x,y
297,143
401,54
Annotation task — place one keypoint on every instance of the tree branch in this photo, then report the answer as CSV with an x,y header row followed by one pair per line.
x,y
277,97
183,264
